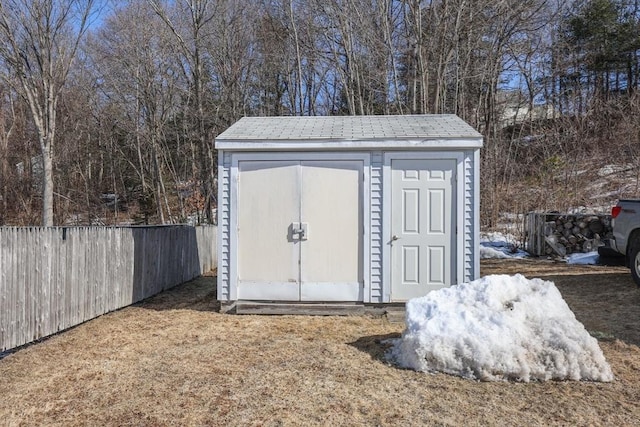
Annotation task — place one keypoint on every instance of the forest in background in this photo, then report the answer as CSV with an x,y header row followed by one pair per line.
x,y
109,109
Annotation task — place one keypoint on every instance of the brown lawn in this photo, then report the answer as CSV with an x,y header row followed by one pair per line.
x,y
174,360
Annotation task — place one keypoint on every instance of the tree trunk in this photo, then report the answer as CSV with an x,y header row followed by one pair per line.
x,y
47,184
4,171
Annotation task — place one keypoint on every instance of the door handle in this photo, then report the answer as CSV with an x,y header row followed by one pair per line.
x,y
394,238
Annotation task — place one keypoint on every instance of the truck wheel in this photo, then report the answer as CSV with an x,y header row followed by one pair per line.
x,y
634,263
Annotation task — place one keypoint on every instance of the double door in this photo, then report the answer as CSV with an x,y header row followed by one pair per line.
x,y
300,230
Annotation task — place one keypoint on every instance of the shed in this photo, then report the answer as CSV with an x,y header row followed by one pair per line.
x,y
357,209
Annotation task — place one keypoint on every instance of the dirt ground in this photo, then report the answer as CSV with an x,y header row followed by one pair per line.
x,y
174,360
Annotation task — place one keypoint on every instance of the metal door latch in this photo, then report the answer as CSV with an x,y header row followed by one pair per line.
x,y
301,229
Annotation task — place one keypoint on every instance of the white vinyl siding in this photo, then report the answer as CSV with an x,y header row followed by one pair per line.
x,y
224,233
376,294
471,220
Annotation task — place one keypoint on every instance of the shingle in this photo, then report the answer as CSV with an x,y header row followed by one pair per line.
x,y
351,128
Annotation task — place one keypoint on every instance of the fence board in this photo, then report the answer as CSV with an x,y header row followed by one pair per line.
x,y
55,278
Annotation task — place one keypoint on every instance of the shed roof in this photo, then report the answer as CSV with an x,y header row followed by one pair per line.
x,y
431,130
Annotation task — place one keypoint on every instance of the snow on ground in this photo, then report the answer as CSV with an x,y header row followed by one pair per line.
x,y
497,245
614,169
500,245
584,258
499,328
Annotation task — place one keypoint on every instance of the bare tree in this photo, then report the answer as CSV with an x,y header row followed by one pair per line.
x,y
40,40
358,38
142,75
7,126
229,48
190,38
285,50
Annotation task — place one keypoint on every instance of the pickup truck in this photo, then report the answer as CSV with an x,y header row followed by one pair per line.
x,y
625,220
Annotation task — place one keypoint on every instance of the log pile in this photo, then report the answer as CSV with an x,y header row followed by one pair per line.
x,y
564,234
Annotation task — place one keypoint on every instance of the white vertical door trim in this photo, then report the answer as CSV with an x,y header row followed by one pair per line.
x,y
233,230
386,226
460,212
220,224
366,227
387,209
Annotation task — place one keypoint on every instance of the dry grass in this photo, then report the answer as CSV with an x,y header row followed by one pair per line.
x,y
174,360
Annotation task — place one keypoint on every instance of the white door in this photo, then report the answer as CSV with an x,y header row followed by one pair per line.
x,y
331,209
300,230
423,223
267,255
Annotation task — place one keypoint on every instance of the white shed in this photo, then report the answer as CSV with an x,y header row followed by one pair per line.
x,y
358,209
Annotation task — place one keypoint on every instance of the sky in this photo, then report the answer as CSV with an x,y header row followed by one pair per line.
x,y
499,328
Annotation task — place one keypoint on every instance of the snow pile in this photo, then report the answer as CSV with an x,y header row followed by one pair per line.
x,y
499,328
499,245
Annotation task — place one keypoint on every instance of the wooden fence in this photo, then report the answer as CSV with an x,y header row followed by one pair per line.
x,y
58,277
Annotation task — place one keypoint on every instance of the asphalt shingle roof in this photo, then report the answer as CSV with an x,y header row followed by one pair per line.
x,y
349,128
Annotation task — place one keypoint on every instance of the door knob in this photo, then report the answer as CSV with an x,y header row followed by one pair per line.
x,y
394,238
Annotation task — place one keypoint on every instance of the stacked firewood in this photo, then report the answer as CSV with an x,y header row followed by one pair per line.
x,y
566,233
